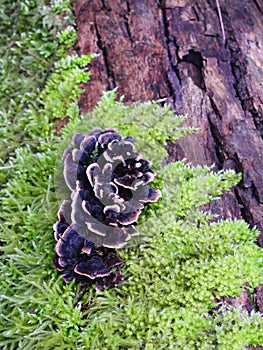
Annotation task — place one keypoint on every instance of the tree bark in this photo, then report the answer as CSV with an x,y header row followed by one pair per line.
x,y
174,49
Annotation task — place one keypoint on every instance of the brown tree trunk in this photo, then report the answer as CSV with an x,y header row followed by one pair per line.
x,y
175,49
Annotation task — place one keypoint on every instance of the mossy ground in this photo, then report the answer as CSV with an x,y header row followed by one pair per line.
x,y
184,261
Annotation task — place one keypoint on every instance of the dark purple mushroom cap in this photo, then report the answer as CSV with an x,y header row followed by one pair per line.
x,y
92,268
79,258
109,186
112,280
62,224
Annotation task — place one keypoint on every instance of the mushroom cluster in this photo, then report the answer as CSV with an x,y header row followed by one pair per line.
x,y
108,181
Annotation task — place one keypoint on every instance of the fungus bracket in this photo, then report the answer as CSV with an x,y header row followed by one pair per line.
x,y
108,185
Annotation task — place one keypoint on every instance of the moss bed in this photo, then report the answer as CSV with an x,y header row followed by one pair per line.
x,y
184,259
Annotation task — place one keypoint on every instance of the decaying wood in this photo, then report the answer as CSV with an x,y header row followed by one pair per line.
x,y
174,49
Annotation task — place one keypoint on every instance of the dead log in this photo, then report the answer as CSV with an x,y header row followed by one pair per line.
x,y
175,49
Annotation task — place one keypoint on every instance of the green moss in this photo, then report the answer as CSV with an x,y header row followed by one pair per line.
x,y
183,261
34,48
150,125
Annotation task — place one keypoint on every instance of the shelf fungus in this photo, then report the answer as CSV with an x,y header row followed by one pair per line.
x,y
108,181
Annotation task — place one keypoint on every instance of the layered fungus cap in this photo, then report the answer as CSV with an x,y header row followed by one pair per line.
x,y
108,181
79,258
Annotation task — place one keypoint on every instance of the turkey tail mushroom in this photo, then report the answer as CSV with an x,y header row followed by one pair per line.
x,y
109,188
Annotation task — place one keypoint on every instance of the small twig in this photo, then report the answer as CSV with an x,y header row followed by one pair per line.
x,y
221,21
38,57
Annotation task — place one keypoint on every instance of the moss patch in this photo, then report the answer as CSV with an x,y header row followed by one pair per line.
x,y
171,276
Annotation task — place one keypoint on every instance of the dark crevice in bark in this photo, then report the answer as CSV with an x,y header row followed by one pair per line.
x,y
215,109
238,165
258,119
126,22
177,73
170,80
195,58
111,80
173,79
244,209
239,71
218,142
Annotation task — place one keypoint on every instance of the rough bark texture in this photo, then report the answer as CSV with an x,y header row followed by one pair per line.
x,y
153,49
